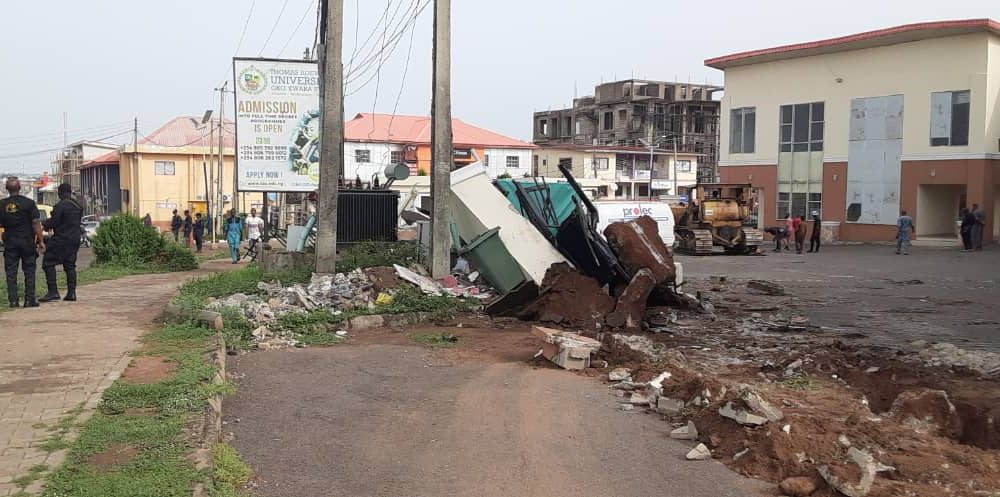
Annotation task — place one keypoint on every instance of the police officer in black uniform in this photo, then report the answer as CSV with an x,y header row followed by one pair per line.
x,y
63,245
22,231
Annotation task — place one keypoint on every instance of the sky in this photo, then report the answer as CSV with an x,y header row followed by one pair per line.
x,y
103,63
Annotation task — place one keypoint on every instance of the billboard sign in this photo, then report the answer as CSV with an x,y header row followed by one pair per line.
x,y
277,125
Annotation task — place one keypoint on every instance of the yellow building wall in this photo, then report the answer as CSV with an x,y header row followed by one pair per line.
x,y
993,96
158,195
914,70
548,163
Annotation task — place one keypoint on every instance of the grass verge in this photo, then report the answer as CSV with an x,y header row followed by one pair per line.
x,y
150,423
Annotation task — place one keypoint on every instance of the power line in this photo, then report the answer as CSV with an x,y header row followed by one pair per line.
x,y
245,25
378,71
375,29
356,73
273,27
297,26
56,149
402,82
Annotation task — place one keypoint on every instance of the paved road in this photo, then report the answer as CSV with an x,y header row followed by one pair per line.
x,y
863,288
397,420
64,354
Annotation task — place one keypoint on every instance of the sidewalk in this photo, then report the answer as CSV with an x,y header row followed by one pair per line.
x,y
62,355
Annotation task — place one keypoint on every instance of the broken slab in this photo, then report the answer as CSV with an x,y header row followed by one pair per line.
x,y
666,405
427,285
758,405
741,416
631,304
762,287
638,245
620,374
699,453
566,349
687,432
869,469
640,399
369,322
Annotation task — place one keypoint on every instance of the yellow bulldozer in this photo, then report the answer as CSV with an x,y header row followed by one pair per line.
x,y
717,215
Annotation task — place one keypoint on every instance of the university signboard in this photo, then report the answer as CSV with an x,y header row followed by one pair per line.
x,y
277,125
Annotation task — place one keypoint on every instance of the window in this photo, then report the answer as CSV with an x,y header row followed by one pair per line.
x,y
800,183
396,156
164,168
683,166
950,118
486,160
742,128
362,156
543,127
609,120
622,116
601,163
569,126
802,127
534,160
579,127
513,162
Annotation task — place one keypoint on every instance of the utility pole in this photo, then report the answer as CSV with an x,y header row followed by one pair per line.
x,y
675,167
331,94
222,119
134,199
441,155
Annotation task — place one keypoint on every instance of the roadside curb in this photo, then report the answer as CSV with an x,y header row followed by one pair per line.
x,y
211,427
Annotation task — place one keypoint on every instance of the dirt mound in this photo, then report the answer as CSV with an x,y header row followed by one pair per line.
x,y
570,298
115,455
148,369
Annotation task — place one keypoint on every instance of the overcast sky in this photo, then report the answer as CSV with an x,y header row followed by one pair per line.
x,y
105,62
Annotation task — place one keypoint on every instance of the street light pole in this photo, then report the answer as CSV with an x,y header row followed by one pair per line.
x,y
331,132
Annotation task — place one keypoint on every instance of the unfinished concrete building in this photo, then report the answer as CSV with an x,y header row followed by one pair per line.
x,y
623,112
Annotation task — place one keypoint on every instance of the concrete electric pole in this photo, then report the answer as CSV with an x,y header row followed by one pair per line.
x,y
441,156
331,91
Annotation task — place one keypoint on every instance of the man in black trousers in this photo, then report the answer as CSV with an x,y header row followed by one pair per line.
x,y
22,237
64,244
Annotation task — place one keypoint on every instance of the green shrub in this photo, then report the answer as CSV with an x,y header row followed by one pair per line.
x,y
125,241
374,254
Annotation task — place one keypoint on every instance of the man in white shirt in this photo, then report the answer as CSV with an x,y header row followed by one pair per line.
x,y
255,228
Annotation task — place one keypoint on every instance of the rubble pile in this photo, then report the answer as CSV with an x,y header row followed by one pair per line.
x,y
948,355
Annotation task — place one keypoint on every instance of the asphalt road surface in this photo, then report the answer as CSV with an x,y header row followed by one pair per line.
x,y
934,294
400,420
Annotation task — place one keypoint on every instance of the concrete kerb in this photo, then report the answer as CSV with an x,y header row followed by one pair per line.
x,y
211,428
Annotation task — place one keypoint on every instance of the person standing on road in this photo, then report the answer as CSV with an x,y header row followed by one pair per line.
x,y
234,231
800,234
255,227
63,245
188,225
814,237
789,231
977,228
147,221
19,218
968,221
175,226
904,227
198,230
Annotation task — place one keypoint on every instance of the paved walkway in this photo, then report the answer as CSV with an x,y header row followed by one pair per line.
x,y
62,355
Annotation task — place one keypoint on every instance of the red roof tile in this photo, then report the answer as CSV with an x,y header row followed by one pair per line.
x,y
108,158
186,131
880,37
367,127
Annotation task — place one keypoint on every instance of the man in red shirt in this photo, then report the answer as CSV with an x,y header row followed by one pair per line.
x,y
799,230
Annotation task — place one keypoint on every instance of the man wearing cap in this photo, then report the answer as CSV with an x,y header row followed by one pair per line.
x,y
814,236
22,237
63,245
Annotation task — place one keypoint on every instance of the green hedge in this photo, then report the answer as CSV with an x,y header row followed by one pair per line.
x,y
125,241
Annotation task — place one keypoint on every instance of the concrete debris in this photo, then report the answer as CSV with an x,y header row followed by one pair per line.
x,y
686,432
631,304
869,469
699,453
738,455
844,441
569,298
741,416
369,322
639,343
638,245
341,333
799,321
873,370
625,407
762,287
566,349
928,410
666,405
628,385
427,285
792,367
657,383
948,355
797,486
787,429
620,374
640,399
758,405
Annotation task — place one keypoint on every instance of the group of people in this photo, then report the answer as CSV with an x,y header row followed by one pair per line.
x,y
795,229
194,230
23,240
973,221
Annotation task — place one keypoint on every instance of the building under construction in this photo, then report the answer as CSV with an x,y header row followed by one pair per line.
x,y
622,113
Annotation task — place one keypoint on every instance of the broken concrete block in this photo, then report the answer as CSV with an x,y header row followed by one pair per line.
x,y
666,405
699,453
758,405
640,399
638,245
868,467
566,349
687,432
631,304
797,486
657,382
366,322
620,374
741,416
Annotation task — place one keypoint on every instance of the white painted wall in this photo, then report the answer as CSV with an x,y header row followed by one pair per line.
x,y
498,161
937,209
914,70
379,153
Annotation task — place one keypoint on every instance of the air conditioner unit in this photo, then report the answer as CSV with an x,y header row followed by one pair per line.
x,y
226,197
